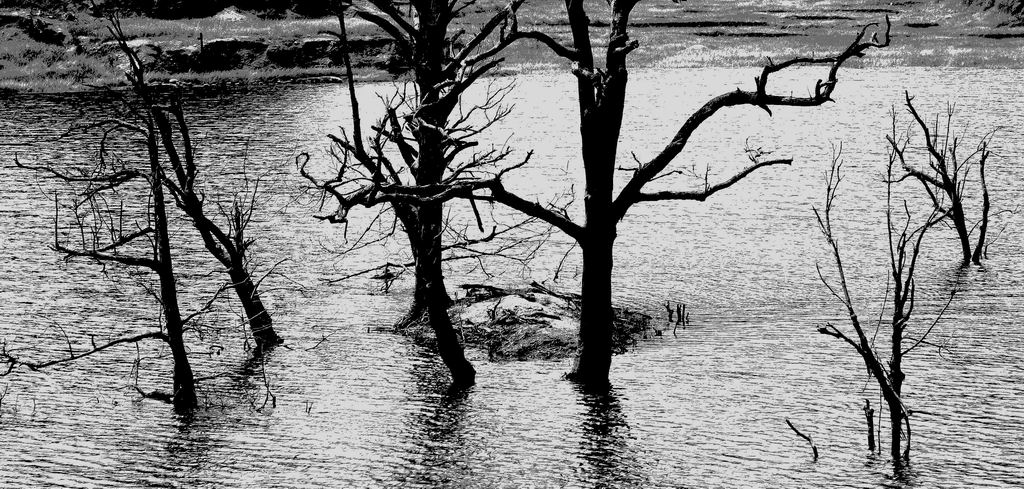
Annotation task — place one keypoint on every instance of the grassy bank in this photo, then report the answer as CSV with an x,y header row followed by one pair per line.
x,y
686,34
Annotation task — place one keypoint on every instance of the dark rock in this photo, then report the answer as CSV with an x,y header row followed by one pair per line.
x,y
481,292
85,44
13,18
315,52
378,53
232,53
37,28
285,55
178,60
325,52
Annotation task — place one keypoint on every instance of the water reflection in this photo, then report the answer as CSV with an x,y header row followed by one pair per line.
x,y
903,476
436,427
189,446
610,460
253,382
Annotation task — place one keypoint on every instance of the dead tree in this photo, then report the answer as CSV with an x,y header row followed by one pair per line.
x,y
425,140
602,94
601,103
228,243
108,236
946,175
904,249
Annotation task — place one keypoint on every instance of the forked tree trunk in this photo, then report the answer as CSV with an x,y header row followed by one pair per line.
x,y
960,223
228,249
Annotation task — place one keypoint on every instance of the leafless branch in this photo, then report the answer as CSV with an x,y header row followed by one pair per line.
x,y
14,362
632,191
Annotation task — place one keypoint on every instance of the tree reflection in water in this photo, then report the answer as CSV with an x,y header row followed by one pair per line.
x,y
610,461
187,452
903,476
435,427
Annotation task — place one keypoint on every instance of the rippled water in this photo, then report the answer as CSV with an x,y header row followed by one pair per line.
x,y
357,407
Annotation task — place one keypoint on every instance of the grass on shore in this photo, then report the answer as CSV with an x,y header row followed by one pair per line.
x,y
672,35
28,65
188,30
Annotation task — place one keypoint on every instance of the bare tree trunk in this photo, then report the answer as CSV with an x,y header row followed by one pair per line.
x,y
979,249
184,394
259,320
600,124
896,430
960,223
896,410
228,247
901,302
594,359
410,218
432,296
232,256
869,415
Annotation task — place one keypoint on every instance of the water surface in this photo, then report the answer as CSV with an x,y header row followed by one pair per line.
x,y
359,407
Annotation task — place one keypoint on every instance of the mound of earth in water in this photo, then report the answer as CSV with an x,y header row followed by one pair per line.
x,y
531,323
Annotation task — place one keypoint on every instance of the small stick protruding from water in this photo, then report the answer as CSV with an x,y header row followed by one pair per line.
x,y
814,448
668,308
869,413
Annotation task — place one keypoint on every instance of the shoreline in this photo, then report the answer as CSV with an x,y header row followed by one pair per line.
x,y
53,54
232,79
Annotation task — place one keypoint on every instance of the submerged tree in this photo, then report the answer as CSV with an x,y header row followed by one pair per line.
x,y
602,94
423,142
107,236
228,243
947,174
904,240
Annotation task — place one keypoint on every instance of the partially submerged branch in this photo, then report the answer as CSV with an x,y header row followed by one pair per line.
x,y
814,448
13,361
